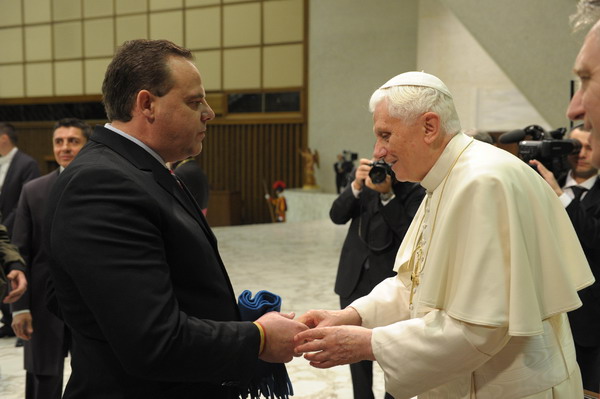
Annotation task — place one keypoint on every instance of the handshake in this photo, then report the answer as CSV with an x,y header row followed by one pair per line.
x,y
326,338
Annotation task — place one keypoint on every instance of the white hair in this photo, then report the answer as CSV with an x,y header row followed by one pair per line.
x,y
409,102
588,13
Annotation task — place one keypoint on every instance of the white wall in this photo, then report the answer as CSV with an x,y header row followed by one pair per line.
x,y
484,96
354,47
532,42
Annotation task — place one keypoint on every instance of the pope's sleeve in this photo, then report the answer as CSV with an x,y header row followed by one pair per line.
x,y
386,304
419,354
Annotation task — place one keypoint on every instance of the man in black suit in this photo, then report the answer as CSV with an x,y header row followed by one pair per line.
x,y
45,345
579,191
16,169
136,268
380,215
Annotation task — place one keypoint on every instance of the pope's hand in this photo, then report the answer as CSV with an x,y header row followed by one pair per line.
x,y
327,318
325,347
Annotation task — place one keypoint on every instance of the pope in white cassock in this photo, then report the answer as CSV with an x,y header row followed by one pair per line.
x,y
486,273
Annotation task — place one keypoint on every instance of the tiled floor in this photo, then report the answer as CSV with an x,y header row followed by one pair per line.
x,y
295,260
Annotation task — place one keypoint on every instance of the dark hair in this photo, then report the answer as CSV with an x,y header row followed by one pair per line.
x,y
74,122
10,131
138,65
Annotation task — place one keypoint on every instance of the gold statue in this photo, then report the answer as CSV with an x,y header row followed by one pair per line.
x,y
309,160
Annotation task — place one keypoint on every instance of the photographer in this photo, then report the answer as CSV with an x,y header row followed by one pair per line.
x,y
343,168
380,213
579,191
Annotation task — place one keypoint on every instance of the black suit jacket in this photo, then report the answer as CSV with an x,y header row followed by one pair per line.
x,y
45,352
22,168
140,281
375,233
585,216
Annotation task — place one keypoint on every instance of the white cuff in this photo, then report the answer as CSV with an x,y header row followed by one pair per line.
x,y
355,191
21,311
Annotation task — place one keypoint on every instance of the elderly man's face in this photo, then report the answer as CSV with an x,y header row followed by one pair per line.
x,y
585,104
399,144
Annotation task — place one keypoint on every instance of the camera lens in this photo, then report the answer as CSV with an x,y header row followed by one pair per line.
x,y
379,172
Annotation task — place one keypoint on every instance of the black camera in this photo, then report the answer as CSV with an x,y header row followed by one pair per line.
x,y
379,171
547,147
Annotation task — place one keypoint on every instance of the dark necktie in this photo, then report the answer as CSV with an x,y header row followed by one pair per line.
x,y
176,178
578,192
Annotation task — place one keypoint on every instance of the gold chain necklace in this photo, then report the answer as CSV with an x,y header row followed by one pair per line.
x,y
417,260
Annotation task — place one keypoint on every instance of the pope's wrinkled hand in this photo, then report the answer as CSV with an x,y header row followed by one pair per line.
x,y
328,318
325,347
280,329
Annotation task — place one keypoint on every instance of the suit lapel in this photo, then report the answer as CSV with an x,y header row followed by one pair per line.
x,y
146,162
183,196
593,196
197,210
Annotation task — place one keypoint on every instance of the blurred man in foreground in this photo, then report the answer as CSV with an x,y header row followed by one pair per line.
x,y
579,192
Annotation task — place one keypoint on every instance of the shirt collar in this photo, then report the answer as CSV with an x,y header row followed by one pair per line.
x,y
570,182
8,157
136,141
440,169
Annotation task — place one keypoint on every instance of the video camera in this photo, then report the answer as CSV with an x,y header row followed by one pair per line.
x,y
547,147
349,155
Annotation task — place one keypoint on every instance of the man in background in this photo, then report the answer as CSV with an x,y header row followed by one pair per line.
x,y
47,344
380,214
16,169
343,168
136,268
194,178
579,192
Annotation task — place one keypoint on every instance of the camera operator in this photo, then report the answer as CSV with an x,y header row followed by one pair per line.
x,y
343,168
380,213
579,191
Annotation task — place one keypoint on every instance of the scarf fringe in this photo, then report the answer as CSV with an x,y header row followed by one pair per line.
x,y
271,381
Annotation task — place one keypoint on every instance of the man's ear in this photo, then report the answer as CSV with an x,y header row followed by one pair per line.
x,y
432,126
144,103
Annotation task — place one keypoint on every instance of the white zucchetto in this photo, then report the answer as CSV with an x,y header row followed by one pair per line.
x,y
417,79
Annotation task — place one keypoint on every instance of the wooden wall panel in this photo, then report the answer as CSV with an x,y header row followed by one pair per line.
x,y
245,157
35,139
236,156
